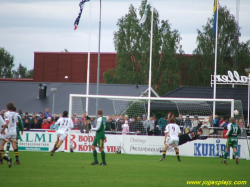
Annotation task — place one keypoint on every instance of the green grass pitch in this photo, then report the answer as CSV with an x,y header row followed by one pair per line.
x,y
74,169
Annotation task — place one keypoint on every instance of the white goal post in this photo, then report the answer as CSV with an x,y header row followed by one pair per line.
x,y
83,97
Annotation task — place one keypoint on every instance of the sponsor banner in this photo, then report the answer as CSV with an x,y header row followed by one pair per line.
x,y
130,144
210,147
33,148
82,142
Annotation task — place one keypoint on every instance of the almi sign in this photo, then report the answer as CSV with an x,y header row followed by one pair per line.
x,y
230,78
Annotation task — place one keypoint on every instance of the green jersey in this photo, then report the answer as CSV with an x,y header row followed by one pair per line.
x,y
19,126
100,128
233,130
232,133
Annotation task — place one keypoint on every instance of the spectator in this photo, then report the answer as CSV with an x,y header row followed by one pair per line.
x,y
36,124
33,118
55,118
50,122
222,121
162,124
77,124
156,132
112,123
42,117
125,126
205,127
187,126
132,125
151,126
196,124
108,122
23,118
47,114
83,118
118,125
26,124
86,127
181,121
145,122
216,124
45,124
242,126
139,128
92,121
27,115
20,112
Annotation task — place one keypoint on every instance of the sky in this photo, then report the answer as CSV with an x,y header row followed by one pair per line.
x,y
28,26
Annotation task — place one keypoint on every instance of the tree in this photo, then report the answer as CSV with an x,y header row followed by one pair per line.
x,y
6,63
132,43
22,72
228,47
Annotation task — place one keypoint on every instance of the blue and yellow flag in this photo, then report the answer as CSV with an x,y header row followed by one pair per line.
x,y
215,16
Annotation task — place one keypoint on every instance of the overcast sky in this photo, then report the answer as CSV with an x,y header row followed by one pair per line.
x,y
27,26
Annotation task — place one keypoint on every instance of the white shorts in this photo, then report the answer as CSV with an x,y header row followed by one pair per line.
x,y
62,136
9,137
172,141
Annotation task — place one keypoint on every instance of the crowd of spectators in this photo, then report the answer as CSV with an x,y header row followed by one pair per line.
x,y
134,125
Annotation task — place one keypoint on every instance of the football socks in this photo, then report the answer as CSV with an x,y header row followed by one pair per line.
x,y
95,155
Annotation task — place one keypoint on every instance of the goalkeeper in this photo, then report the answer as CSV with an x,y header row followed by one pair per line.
x,y
184,138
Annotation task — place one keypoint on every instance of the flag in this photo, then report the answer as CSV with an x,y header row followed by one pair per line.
x,y
215,16
81,5
143,19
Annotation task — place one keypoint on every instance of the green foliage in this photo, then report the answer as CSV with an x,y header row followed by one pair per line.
x,y
228,48
74,169
6,63
22,72
132,43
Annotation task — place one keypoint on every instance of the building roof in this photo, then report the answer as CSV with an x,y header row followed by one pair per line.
x,y
25,95
207,92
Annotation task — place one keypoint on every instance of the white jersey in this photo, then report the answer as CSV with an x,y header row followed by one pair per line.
x,y
65,123
2,122
13,119
173,130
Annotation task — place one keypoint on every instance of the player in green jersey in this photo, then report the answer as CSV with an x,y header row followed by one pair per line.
x,y
99,138
232,140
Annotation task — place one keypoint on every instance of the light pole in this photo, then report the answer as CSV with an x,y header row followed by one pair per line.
x,y
248,71
54,90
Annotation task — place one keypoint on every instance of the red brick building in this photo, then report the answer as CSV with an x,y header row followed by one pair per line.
x,y
54,66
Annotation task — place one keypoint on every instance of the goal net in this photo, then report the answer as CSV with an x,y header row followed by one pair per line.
x,y
118,109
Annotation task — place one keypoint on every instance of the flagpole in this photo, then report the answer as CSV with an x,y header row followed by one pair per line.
x,y
98,67
88,68
150,58
215,58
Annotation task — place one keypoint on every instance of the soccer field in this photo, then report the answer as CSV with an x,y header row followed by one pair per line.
x,y
74,169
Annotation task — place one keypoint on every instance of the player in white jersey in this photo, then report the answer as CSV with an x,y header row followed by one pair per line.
x,y
65,123
172,133
10,133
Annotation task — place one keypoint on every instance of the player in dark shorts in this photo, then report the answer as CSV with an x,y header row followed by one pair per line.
x,y
184,138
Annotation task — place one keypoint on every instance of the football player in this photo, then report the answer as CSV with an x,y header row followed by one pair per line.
x,y
10,134
184,138
172,133
65,123
99,138
232,140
